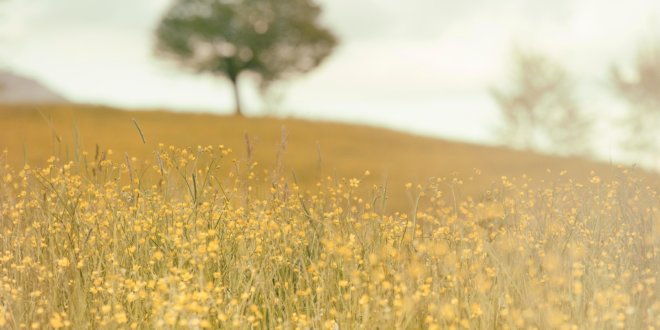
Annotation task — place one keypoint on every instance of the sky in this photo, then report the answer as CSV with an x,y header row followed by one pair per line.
x,y
422,66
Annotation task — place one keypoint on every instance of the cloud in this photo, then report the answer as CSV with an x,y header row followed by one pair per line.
x,y
42,16
357,20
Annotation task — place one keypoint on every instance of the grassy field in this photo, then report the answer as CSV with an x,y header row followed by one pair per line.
x,y
304,150
207,230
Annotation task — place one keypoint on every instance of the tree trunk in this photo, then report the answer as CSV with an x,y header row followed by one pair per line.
x,y
237,97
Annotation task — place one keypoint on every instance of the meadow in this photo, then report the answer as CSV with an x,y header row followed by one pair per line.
x,y
307,151
196,221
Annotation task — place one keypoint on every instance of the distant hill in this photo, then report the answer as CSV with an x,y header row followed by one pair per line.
x,y
18,89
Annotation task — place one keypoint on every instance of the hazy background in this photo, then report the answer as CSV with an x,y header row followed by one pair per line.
x,y
422,66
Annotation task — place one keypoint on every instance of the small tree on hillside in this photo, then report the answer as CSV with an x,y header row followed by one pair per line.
x,y
273,39
540,109
641,90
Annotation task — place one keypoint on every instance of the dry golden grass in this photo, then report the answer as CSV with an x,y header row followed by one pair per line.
x,y
206,237
314,150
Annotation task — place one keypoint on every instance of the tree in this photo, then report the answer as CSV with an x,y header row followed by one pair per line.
x,y
641,90
540,109
272,39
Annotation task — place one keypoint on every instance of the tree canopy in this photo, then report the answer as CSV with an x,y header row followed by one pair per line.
x,y
540,108
272,39
641,90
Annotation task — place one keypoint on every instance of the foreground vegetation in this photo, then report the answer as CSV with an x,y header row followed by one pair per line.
x,y
197,238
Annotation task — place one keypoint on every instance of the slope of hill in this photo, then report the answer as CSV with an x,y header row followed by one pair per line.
x,y
18,89
180,242
314,150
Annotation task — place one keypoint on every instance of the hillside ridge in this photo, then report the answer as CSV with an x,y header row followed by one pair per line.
x,y
313,150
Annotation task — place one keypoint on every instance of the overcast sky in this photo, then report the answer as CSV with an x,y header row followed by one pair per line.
x,y
418,65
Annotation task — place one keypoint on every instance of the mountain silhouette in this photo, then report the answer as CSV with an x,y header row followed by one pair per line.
x,y
19,89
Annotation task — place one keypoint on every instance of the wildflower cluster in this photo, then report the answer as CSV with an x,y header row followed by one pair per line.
x,y
193,239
